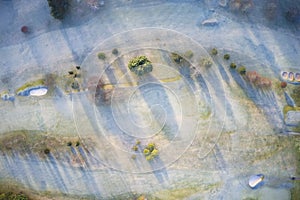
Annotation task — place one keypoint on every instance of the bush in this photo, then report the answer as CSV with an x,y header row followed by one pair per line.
x,y
77,144
46,151
24,29
146,152
154,153
135,148
140,65
115,52
232,65
69,144
214,51
151,147
189,54
176,58
101,56
58,8
226,56
206,62
242,70
150,151
138,142
283,84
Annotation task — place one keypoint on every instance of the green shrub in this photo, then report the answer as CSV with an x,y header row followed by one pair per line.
x,y
135,148
176,58
154,153
146,152
140,65
214,51
12,196
115,52
150,151
69,144
296,95
206,62
101,56
46,151
242,70
232,65
226,57
151,147
58,8
77,144
138,142
149,157
189,54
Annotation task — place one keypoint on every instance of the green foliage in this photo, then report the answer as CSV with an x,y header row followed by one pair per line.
x,y
189,54
287,108
69,144
75,85
135,148
151,147
101,56
115,52
242,70
226,56
176,58
46,151
77,144
206,62
296,95
58,8
140,65
154,153
12,196
232,65
138,142
214,51
133,157
39,82
146,152
150,151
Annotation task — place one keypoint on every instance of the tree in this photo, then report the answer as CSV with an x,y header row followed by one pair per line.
x,y
140,65
58,8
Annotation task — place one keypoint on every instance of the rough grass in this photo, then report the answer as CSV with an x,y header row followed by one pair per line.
x,y
185,193
295,192
287,108
39,82
25,141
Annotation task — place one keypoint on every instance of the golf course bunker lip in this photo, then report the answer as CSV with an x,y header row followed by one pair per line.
x,y
173,106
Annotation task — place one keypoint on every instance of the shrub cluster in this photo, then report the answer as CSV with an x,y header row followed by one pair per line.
x,y
140,65
150,151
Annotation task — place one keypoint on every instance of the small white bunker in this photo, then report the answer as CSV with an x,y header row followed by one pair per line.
x,y
38,91
255,180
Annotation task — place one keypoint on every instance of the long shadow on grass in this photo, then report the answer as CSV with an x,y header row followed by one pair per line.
x,y
264,99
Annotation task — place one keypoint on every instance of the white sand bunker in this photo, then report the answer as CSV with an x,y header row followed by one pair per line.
x,y
38,91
